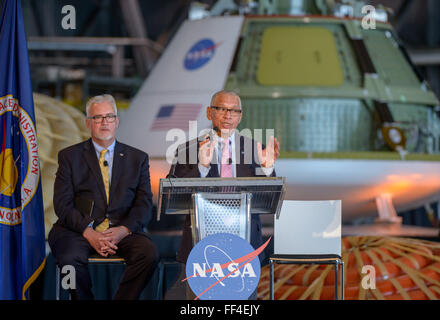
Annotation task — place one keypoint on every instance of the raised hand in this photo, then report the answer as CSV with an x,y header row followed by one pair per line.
x,y
206,152
268,156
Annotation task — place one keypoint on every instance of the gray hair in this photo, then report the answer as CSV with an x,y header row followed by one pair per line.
x,y
232,93
99,99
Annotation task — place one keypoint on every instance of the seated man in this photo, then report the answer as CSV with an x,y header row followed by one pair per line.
x,y
103,201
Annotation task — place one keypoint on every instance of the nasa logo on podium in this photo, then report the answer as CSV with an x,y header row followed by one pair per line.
x,y
223,266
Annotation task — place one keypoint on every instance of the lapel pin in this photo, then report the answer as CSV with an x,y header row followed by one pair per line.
x,y
121,154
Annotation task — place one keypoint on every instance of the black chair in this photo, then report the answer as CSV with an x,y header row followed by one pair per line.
x,y
112,260
308,259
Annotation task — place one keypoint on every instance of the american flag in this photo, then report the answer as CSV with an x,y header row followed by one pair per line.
x,y
175,116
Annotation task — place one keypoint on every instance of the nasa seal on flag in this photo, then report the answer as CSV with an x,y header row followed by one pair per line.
x,y
19,162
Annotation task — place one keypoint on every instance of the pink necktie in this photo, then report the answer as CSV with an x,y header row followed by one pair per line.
x,y
226,167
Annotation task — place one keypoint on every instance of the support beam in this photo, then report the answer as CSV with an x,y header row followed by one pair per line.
x,y
425,57
48,17
91,18
433,39
134,21
401,13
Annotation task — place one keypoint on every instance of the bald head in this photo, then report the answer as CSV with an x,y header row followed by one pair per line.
x,y
219,95
224,112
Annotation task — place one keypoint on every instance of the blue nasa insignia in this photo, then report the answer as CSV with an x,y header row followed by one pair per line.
x,y
223,266
199,54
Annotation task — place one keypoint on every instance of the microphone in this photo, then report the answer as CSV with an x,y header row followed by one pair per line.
x,y
172,171
211,136
186,147
105,163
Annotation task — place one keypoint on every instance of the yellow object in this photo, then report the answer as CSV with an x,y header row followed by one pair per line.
x,y
123,104
104,225
9,172
299,56
105,176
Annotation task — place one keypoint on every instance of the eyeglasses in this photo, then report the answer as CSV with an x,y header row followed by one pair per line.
x,y
223,110
98,118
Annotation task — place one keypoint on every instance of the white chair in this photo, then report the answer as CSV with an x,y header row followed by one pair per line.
x,y
308,232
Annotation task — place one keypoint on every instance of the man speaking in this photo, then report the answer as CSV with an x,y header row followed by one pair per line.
x,y
103,201
226,154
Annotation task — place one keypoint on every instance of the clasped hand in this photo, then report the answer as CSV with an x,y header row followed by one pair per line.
x,y
105,243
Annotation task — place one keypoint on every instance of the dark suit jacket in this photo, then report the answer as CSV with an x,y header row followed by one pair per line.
x,y
246,166
79,178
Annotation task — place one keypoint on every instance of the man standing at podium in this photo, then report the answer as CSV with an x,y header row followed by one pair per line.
x,y
225,154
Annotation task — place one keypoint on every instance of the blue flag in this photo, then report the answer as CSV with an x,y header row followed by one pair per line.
x,y
22,240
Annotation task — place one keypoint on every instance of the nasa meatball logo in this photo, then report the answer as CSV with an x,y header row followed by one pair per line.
x,y
19,171
223,266
200,54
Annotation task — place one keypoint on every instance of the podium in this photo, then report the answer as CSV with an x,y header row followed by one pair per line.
x,y
221,204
